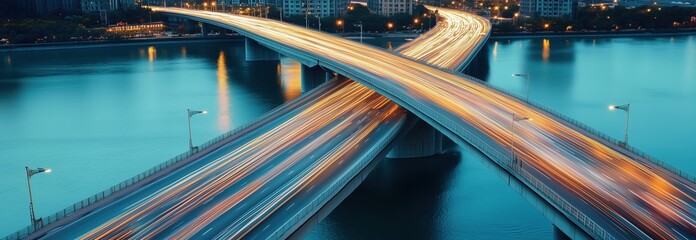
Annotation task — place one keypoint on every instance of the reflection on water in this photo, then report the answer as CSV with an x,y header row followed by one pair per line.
x,y
151,53
546,50
494,52
290,77
224,116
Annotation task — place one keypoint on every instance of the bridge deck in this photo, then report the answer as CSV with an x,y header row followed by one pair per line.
x,y
607,191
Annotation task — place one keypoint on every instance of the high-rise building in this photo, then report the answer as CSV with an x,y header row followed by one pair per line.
x,y
321,8
390,7
105,5
548,8
48,6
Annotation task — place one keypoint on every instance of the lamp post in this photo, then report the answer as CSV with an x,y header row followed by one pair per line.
x,y
627,108
317,10
361,31
191,113
526,76
306,16
515,118
213,6
339,23
31,172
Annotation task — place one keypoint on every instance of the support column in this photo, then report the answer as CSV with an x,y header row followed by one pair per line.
x,y
314,76
204,28
257,52
558,234
421,141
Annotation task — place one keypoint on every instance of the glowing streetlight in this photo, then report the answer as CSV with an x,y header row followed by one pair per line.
x,y
31,172
191,113
546,25
515,118
339,23
526,76
390,26
627,108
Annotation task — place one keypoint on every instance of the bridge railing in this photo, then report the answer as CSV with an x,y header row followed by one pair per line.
x,y
506,161
24,232
616,143
310,209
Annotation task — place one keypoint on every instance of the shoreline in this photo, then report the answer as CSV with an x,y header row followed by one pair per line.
x,y
174,40
110,43
535,35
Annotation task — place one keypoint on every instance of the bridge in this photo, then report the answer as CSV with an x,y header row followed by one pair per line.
x,y
606,190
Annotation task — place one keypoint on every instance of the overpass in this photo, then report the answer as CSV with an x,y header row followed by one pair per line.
x,y
83,217
607,190
620,194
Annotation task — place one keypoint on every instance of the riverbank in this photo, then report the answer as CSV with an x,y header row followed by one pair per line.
x,y
112,43
611,34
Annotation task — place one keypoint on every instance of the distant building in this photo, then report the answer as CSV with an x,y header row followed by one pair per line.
x,y
48,6
105,5
390,7
548,8
322,8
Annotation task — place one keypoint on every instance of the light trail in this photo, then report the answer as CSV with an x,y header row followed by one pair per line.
x,y
547,148
238,181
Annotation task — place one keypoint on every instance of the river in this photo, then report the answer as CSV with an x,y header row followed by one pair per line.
x,y
98,116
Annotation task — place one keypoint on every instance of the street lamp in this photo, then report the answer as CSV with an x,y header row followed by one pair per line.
x,y
515,118
31,172
627,108
361,31
390,25
526,76
191,113
213,6
339,23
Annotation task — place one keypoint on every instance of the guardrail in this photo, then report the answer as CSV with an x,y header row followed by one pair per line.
x,y
587,128
24,232
310,209
457,131
506,160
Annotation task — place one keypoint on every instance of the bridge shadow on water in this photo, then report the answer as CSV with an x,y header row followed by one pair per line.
x,y
384,205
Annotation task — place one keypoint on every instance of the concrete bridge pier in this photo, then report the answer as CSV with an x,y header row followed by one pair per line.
x,y
204,28
421,141
558,234
258,52
314,76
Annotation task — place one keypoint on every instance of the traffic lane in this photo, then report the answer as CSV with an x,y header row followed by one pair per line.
x,y
308,157
93,219
191,191
340,166
244,200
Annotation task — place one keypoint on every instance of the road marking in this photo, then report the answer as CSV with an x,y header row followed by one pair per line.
x,y
266,227
675,230
290,206
206,232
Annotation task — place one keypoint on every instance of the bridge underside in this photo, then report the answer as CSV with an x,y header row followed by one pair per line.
x,y
421,141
